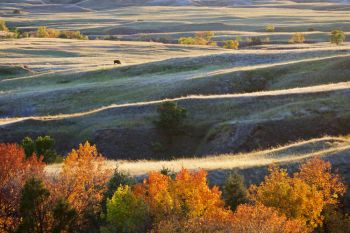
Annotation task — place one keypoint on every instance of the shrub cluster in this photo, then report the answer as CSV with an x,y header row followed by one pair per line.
x,y
231,44
44,32
200,38
297,38
86,196
337,37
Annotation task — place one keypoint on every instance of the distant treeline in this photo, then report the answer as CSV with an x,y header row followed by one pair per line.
x,y
41,32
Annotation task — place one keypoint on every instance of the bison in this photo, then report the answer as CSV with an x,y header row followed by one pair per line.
x,y
117,62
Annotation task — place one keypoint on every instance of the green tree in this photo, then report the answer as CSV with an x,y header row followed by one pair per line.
x,y
33,207
41,146
64,217
126,213
118,179
171,117
234,191
28,145
3,26
337,37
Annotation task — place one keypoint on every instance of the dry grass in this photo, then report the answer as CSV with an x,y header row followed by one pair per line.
x,y
284,154
293,91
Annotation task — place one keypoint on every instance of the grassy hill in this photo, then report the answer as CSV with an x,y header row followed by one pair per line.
x,y
236,100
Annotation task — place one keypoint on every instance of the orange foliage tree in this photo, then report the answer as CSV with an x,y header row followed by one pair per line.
x,y
82,182
317,172
304,196
15,169
290,196
262,219
186,197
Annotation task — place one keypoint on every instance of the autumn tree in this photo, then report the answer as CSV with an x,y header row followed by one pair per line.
x,y
187,196
118,179
15,169
82,182
292,197
318,173
305,195
262,219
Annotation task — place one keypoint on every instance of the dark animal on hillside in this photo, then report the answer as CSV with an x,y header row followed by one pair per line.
x,y
117,62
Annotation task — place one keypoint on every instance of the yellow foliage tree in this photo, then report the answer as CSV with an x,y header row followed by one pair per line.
x,y
318,173
292,197
83,180
187,196
262,219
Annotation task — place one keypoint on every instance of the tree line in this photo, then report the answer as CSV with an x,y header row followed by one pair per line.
x,y
87,196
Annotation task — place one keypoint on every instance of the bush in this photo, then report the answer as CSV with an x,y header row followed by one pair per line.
x,y
187,40
171,117
208,36
234,191
337,37
42,32
41,146
265,40
3,26
73,35
127,213
254,40
53,33
298,38
200,38
270,28
231,44
16,11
